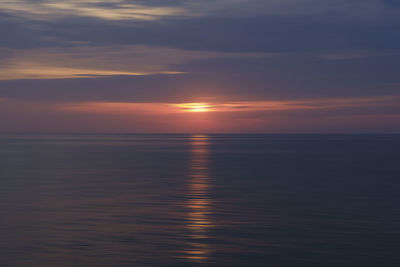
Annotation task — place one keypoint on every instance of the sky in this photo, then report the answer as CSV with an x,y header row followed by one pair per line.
x,y
200,66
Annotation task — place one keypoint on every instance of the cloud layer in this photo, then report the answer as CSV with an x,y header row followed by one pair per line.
x,y
68,53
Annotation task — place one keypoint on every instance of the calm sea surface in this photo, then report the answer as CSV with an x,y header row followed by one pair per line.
x,y
195,200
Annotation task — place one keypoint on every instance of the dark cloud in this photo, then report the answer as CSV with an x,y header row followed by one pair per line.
x,y
254,34
392,3
17,33
158,2
214,32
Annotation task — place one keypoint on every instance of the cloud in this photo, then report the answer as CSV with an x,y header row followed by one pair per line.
x,y
391,3
293,105
156,9
222,25
92,62
221,77
107,10
267,34
86,62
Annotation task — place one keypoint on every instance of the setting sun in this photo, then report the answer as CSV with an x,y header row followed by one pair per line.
x,y
196,107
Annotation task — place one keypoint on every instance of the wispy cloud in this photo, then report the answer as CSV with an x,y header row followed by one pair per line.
x,y
308,104
91,62
153,10
108,10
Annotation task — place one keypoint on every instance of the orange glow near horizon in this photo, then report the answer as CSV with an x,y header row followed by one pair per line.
x,y
234,106
197,116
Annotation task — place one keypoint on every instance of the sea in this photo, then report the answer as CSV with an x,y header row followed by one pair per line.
x,y
199,200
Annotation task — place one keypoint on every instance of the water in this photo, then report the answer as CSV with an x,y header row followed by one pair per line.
x,y
195,200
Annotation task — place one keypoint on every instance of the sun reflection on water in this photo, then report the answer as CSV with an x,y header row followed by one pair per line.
x,y
198,200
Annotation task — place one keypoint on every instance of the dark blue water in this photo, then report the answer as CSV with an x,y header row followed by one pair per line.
x,y
194,200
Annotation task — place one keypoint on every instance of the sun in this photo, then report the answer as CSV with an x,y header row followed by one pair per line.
x,y
199,107
195,107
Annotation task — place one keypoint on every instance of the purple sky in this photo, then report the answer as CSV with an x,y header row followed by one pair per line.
x,y
250,65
